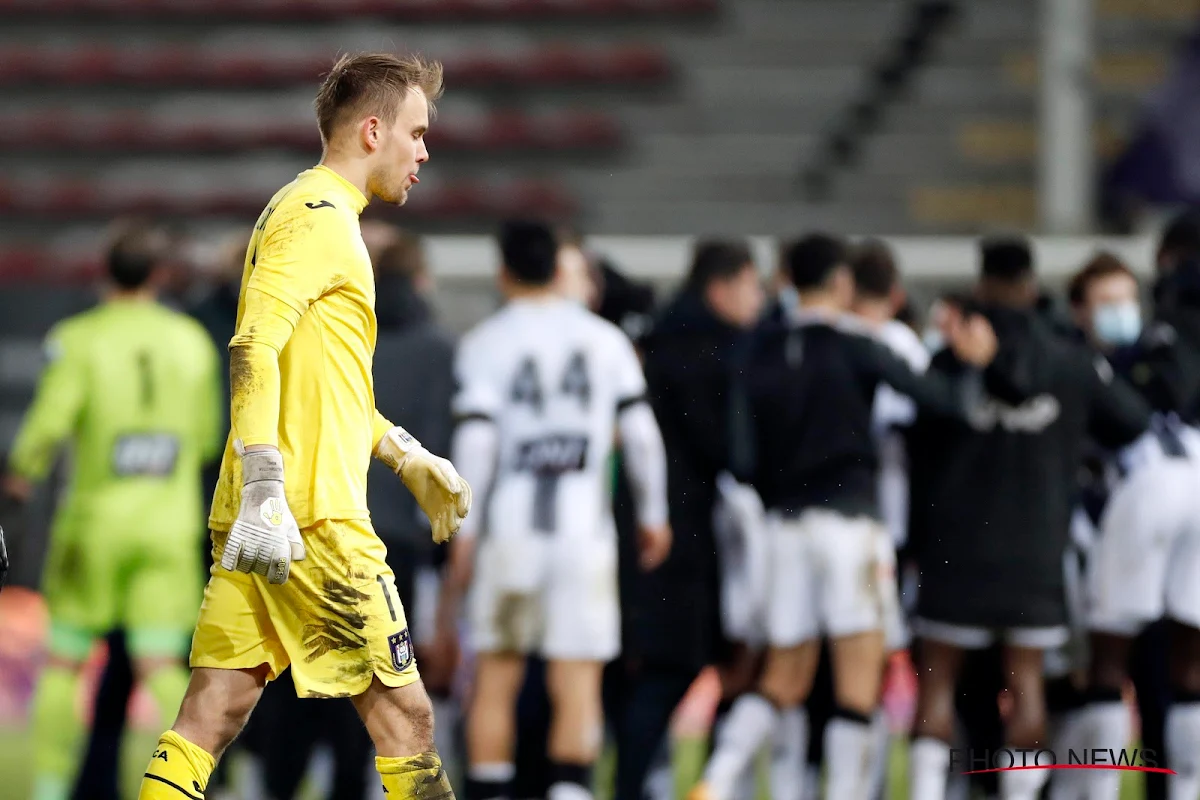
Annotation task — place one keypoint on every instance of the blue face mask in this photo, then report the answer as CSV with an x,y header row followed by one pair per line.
x,y
789,298
1117,324
933,340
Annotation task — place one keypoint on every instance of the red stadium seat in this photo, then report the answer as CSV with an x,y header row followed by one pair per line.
x,y
407,10
133,131
44,265
198,66
75,199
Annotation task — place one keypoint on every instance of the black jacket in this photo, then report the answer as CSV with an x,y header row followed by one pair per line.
x,y
217,312
802,412
991,500
414,386
672,613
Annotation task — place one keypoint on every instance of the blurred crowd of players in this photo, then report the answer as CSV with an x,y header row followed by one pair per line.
x,y
1035,475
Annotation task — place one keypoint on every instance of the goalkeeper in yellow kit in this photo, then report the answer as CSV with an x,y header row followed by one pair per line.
x,y
133,388
300,576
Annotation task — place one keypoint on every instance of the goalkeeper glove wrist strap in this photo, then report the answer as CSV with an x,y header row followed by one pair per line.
x,y
262,465
396,446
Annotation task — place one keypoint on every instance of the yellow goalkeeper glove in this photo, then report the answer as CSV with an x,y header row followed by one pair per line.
x,y
438,488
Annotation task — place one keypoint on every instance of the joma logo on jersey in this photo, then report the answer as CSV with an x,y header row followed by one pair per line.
x,y
556,453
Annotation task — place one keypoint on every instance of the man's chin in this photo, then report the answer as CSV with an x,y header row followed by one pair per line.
x,y
397,199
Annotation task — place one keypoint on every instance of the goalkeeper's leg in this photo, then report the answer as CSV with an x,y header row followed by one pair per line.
x,y
57,727
400,721
216,706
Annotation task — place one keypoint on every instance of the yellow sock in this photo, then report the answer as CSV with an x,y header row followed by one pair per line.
x,y
178,769
418,777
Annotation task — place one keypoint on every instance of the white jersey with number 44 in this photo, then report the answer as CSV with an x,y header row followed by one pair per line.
x,y
552,377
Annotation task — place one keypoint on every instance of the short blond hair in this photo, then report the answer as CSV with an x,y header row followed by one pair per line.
x,y
373,83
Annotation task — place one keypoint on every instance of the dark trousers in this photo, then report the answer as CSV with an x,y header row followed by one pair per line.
x,y
1151,680
101,764
532,759
977,701
820,706
298,727
639,707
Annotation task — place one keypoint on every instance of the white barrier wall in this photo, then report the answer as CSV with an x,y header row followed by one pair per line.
x,y
665,258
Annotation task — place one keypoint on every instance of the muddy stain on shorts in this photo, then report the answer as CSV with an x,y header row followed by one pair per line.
x,y
341,629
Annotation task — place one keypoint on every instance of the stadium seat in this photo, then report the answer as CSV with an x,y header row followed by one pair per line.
x,y
65,199
32,264
407,10
1015,141
131,130
971,207
554,65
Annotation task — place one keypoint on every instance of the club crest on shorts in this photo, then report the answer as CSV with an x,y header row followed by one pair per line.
x,y
402,652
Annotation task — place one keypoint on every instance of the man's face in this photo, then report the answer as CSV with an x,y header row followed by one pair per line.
x,y
400,150
573,279
1111,310
739,299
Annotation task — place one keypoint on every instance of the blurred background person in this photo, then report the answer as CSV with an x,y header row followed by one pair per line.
x,y
1140,565
411,337
802,439
133,388
1004,483
673,624
878,297
543,387
575,280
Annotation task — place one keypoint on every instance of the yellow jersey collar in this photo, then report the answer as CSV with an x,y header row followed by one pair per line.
x,y
357,200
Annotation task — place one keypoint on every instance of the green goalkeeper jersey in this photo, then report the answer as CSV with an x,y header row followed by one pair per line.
x,y
133,388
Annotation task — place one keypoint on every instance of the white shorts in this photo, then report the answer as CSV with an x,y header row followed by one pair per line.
x,y
1073,656
829,574
972,637
739,524
1146,560
547,594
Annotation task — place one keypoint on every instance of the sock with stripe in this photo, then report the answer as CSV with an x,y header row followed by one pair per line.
x,y
57,734
788,754
928,765
849,741
1183,746
570,782
750,723
1022,784
178,770
1104,723
418,777
490,781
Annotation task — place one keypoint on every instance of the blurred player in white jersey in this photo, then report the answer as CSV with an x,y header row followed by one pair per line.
x,y
1146,556
545,387
878,296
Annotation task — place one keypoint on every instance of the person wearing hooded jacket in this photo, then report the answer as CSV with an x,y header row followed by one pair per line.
x,y
673,630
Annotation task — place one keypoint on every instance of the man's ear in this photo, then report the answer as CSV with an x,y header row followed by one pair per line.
x,y
897,298
370,132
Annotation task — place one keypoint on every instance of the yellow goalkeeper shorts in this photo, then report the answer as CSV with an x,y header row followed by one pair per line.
x,y
337,621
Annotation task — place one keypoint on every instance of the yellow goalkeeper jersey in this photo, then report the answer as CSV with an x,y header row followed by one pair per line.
x,y
308,292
